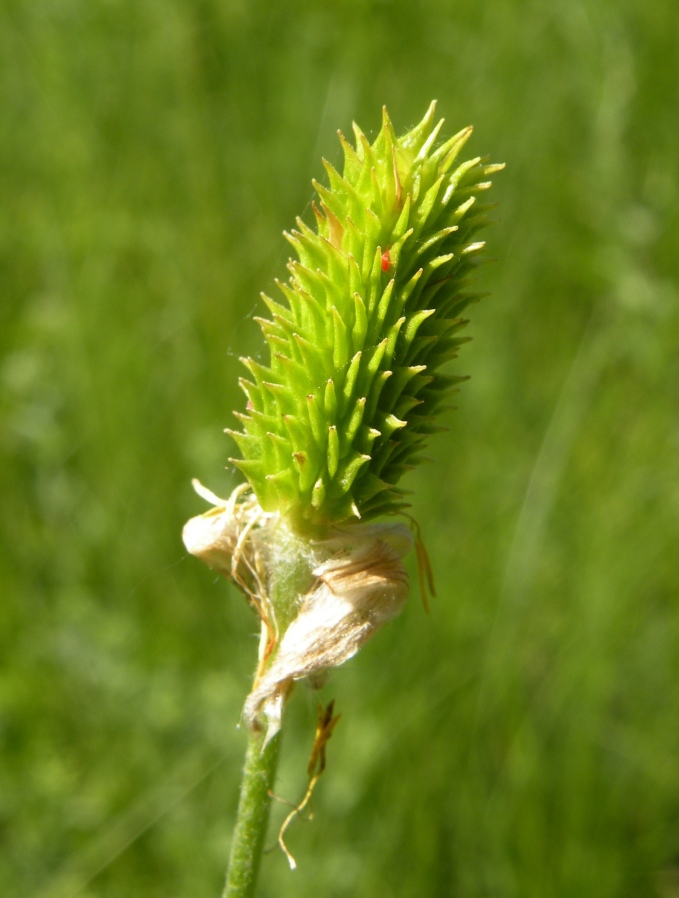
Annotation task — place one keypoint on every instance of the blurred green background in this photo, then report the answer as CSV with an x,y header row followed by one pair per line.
x,y
521,741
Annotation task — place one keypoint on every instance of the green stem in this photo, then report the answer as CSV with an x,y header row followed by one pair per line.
x,y
259,773
289,578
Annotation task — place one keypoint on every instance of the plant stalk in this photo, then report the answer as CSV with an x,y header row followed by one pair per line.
x,y
289,577
259,773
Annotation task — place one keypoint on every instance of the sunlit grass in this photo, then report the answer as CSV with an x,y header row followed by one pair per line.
x,y
520,741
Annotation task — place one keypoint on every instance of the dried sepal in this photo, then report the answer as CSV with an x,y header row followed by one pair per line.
x,y
361,586
232,539
357,582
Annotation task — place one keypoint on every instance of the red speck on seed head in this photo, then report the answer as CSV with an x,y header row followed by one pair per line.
x,y
385,260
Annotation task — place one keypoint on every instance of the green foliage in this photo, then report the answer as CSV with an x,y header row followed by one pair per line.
x,y
373,311
522,740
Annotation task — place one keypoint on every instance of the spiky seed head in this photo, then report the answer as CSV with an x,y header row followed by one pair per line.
x,y
371,311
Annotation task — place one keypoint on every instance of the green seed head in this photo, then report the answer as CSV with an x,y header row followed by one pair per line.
x,y
371,311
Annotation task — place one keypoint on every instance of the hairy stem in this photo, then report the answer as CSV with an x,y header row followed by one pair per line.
x,y
289,577
259,773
